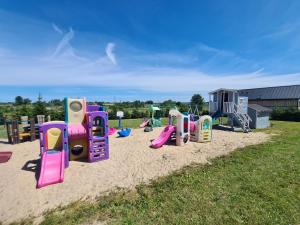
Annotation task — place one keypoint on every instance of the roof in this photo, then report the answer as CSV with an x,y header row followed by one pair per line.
x,y
223,89
281,92
259,108
155,108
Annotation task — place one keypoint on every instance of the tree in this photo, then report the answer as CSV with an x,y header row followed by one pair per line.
x,y
40,107
197,100
149,102
56,102
26,101
18,100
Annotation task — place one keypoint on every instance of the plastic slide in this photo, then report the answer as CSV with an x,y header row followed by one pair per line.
x,y
145,123
163,137
52,168
112,131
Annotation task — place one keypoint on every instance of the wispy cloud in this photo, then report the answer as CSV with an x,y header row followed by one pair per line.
x,y
65,42
110,52
57,29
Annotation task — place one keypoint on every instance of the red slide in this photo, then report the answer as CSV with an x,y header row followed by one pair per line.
x,y
163,137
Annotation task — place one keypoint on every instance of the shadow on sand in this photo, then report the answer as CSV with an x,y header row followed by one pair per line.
x,y
33,166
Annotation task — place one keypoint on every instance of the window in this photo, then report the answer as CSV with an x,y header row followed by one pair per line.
x,y
99,126
76,106
185,124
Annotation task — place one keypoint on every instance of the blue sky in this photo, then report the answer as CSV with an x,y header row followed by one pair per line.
x,y
127,50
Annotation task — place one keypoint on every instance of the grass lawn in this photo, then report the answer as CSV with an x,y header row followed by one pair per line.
x,y
256,185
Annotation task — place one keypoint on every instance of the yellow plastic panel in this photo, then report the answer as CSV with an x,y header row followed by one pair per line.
x,y
54,138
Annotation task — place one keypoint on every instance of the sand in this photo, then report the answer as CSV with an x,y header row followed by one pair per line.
x,y
131,162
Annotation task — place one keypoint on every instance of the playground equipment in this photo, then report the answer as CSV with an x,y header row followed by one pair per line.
x,y
124,132
145,123
120,115
5,156
201,130
112,131
83,136
194,113
155,120
228,102
54,153
15,136
180,131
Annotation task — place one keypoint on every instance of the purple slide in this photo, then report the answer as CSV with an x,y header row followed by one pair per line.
x,y
164,136
52,168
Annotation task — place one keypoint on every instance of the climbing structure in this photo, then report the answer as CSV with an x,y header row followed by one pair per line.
x,y
97,126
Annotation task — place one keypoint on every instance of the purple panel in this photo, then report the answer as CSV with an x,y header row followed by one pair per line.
x,y
98,146
92,108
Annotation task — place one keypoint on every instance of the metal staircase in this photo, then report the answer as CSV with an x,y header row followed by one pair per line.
x,y
241,118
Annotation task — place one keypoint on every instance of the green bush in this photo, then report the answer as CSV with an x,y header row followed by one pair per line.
x,y
286,114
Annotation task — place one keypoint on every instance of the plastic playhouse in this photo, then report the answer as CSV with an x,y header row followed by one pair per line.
x,y
83,136
155,120
185,130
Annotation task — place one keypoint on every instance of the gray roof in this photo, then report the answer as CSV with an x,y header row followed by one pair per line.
x,y
259,108
223,89
281,92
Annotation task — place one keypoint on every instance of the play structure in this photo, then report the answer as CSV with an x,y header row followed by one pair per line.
x,y
83,136
180,132
25,129
201,130
185,130
155,120
194,112
15,136
54,153
227,102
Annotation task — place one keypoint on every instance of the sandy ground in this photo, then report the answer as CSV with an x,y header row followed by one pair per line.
x,y
131,162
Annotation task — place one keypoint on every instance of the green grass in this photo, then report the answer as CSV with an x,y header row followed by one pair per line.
x,y
3,132
255,185
132,123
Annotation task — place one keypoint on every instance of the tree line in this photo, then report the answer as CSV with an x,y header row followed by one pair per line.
x,y
55,108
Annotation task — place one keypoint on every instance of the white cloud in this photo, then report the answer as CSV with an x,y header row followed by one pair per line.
x,y
57,29
65,42
109,52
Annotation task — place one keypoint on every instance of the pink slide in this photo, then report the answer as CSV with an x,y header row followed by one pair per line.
x,y
145,123
163,137
112,131
52,168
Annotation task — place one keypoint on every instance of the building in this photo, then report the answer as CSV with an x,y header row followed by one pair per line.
x,y
274,97
260,116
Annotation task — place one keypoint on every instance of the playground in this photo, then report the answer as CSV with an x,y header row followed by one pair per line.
x,y
132,162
